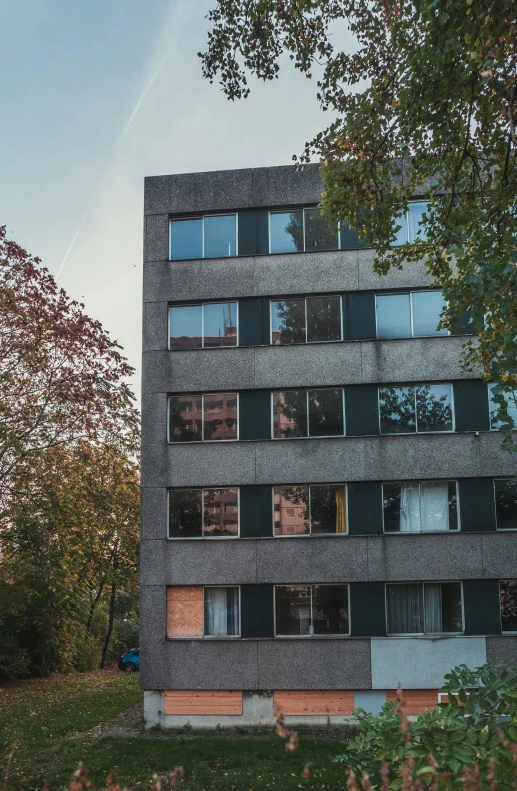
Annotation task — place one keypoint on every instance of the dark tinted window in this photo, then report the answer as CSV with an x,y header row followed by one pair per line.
x,y
434,408
397,410
186,239
288,321
326,413
330,609
506,503
185,518
508,589
311,609
293,609
186,418
319,234
323,319
328,509
194,513
290,414
286,232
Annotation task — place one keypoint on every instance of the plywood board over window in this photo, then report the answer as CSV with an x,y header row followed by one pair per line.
x,y
194,701
326,702
416,700
185,612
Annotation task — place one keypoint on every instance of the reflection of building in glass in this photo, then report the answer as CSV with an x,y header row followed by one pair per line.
x,y
290,518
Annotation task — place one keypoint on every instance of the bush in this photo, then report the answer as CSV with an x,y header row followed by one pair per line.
x,y
87,653
473,727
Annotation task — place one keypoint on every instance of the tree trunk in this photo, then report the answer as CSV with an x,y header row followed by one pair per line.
x,y
110,625
93,607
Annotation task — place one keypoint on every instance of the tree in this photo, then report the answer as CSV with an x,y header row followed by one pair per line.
x,y
426,106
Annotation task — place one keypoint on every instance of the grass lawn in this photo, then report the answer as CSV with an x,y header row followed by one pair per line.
x,y
48,717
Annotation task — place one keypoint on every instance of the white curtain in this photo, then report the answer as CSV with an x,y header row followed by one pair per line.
x,y
433,607
405,608
415,212
424,506
221,611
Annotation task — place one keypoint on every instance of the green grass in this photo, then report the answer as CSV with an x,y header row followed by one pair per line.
x,y
45,716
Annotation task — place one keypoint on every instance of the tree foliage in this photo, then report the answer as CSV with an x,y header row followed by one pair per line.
x,y
424,105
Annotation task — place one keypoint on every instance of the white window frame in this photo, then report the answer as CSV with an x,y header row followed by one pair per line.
x,y
220,636
311,635
414,385
501,610
202,218
197,441
308,435
202,306
423,584
310,533
421,532
203,537
502,529
305,298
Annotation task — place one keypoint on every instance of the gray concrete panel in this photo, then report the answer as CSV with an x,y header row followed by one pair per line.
x,y
413,275
199,280
314,664
200,664
214,561
199,371
156,240
420,456
286,185
413,360
422,662
308,365
310,460
199,192
305,273
499,555
491,459
502,649
155,328
154,513
450,556
153,624
312,559
206,464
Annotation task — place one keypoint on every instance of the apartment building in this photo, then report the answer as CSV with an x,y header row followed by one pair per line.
x,y
326,511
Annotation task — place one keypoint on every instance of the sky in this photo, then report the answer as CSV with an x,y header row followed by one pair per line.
x,y
96,95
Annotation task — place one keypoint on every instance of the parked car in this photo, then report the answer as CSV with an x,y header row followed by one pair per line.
x,y
130,661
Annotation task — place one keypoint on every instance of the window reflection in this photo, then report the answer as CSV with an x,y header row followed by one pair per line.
x,y
288,321
330,609
293,609
186,239
511,405
311,609
411,229
319,235
291,510
220,416
185,418
506,503
220,236
290,414
434,407
397,410
326,413
220,512
323,319
186,327
508,596
426,308
220,324
185,508
328,509
286,232
393,316
414,507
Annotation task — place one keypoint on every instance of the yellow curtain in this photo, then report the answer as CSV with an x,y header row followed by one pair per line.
x,y
340,511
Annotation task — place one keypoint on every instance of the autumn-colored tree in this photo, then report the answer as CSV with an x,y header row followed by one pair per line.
x,y
425,104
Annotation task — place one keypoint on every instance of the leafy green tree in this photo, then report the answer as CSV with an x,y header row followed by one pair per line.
x,y
424,105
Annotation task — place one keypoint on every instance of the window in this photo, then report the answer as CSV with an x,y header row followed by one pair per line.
x,y
221,612
204,237
425,608
511,405
424,408
305,610
203,513
410,222
506,503
203,326
508,596
416,314
306,320
313,413
300,230
418,507
196,418
301,510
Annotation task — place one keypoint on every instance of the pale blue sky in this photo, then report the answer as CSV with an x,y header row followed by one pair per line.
x,y
72,74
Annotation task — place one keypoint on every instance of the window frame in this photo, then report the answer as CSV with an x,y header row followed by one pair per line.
x,y
514,632
489,388
310,533
203,537
273,300
297,252
311,585
218,636
202,218
423,584
414,385
202,440
422,532
409,293
202,306
308,436
406,216
501,529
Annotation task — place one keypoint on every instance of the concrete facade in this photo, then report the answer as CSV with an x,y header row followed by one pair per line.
x,y
367,665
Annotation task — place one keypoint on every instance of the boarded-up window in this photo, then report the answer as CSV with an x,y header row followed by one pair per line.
x,y
185,612
194,701
326,702
416,700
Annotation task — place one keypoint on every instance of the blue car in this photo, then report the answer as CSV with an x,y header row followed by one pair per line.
x,y
130,661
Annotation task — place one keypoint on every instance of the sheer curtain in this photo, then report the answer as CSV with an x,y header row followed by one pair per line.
x,y
433,621
424,506
221,611
405,607
410,508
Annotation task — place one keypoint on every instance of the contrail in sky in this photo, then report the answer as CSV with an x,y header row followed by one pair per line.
x,y
177,26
